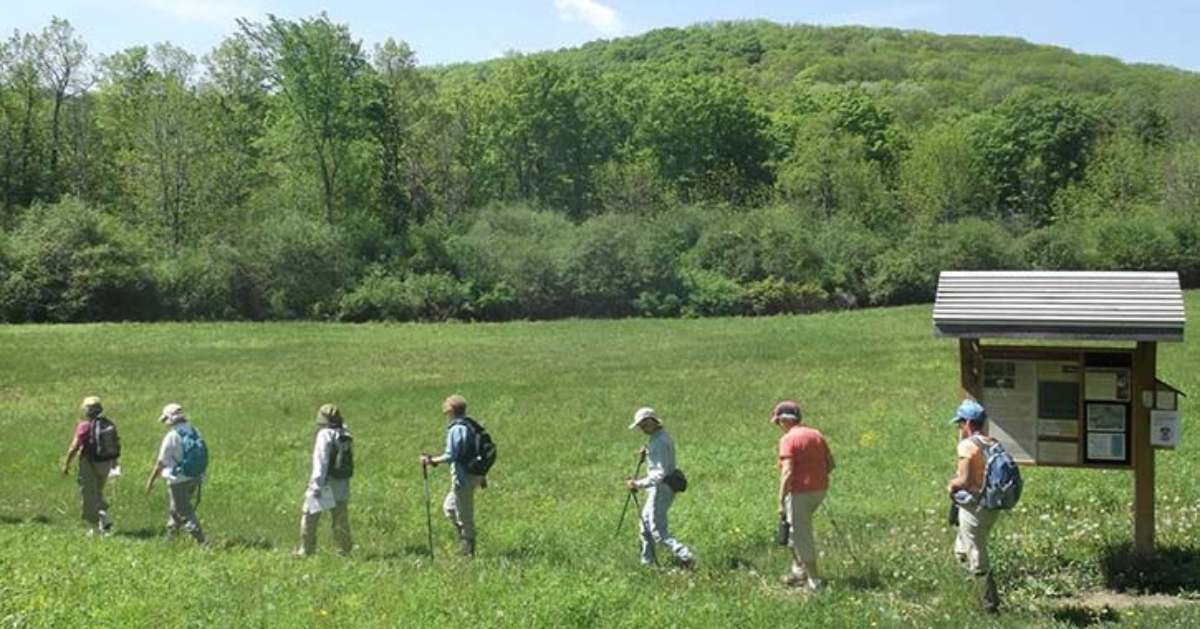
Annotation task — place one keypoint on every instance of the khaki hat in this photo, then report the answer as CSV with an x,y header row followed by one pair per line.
x,y
642,415
329,413
91,406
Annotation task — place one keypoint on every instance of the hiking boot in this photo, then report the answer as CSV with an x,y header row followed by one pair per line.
x,y
688,564
793,580
466,548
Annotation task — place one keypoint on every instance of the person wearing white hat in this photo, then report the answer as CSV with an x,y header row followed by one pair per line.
x,y
660,472
182,460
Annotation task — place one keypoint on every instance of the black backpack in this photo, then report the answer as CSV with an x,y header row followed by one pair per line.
x,y
481,450
341,454
103,442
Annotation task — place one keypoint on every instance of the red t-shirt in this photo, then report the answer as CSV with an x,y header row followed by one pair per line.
x,y
810,459
83,432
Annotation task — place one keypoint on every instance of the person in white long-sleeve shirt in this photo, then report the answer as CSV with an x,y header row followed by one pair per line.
x,y
328,485
660,463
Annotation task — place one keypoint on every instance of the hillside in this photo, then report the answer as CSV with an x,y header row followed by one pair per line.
x,y
733,168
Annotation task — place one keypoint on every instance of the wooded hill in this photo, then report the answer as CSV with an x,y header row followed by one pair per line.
x,y
731,168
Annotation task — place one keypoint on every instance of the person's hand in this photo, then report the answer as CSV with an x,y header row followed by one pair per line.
x,y
427,461
642,452
66,470
630,484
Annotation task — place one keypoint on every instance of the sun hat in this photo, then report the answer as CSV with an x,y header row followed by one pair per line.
x,y
329,413
642,415
91,406
970,411
787,409
172,413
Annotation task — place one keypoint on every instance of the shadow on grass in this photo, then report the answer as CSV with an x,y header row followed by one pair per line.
x,y
1080,616
142,533
1171,570
33,519
406,552
247,543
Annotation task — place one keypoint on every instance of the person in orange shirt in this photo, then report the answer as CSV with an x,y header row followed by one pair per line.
x,y
804,466
974,521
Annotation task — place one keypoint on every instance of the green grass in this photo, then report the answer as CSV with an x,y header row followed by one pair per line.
x,y
557,396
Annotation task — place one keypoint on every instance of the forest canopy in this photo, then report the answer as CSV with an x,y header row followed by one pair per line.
x,y
721,169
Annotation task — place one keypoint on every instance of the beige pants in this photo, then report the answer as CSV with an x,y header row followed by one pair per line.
x,y
341,529
92,477
970,546
800,510
459,507
182,510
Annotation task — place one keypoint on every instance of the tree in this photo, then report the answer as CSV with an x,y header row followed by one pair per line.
x,y
61,56
317,69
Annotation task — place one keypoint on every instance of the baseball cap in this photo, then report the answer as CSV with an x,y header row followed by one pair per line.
x,y
172,413
970,411
787,409
642,415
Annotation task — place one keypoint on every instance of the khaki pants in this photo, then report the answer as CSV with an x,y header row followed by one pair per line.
x,y
653,526
800,510
341,529
459,507
183,510
970,546
92,477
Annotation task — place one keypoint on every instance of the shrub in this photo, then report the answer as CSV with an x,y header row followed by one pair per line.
x,y
776,296
437,296
296,267
69,262
203,282
1133,242
1060,247
710,294
616,259
378,296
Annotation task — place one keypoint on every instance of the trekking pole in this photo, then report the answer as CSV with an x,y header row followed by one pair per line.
x,y
632,494
428,513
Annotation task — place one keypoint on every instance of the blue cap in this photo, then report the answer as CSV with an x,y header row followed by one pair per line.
x,y
970,411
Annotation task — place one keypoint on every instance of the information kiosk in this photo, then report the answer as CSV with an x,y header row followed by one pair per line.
x,y
1096,403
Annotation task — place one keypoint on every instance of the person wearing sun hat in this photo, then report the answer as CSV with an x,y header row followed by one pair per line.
x,y
661,475
329,483
95,443
804,466
182,447
974,521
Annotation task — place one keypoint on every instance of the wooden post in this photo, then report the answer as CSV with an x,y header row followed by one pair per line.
x,y
1144,380
970,358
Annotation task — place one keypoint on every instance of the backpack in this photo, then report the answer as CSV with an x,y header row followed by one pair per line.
x,y
481,450
1002,478
341,454
103,442
193,462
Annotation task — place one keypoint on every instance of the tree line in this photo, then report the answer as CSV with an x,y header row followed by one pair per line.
x,y
722,169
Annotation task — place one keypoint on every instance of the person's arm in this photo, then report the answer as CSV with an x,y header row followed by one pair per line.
x,y
961,475
661,454
455,437
320,462
785,481
154,474
72,451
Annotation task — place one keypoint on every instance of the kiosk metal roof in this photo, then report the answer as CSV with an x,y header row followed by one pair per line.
x,y
1088,305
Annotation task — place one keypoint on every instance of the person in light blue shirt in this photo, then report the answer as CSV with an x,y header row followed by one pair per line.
x,y
660,463
459,505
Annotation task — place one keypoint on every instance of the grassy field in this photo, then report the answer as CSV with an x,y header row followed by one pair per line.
x,y
557,396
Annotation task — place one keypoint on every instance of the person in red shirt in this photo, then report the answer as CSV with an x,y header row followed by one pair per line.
x,y
804,466
93,473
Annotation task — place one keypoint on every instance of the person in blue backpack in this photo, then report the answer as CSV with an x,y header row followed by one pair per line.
x,y
966,488
183,461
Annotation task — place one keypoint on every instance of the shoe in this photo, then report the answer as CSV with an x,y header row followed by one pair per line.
x,y
300,554
793,580
688,564
466,548
815,584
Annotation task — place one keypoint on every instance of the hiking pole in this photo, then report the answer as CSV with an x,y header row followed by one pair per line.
x,y
632,494
428,513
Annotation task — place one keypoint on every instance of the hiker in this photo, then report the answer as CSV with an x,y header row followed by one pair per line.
x,y
95,442
965,488
182,460
329,483
804,466
662,481
470,453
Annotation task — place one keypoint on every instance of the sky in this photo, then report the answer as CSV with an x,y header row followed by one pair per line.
x,y
449,31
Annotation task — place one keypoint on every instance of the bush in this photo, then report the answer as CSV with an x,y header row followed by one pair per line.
x,y
437,296
1138,241
1060,247
711,294
378,296
203,282
69,262
296,267
616,259
776,296
750,246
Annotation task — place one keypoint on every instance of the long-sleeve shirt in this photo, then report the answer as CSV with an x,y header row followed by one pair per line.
x,y
322,451
660,459
457,435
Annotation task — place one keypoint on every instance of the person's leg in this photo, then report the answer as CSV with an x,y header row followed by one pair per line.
x,y
801,508
341,527
975,525
450,508
183,510
466,513
645,526
91,495
660,530
308,532
102,469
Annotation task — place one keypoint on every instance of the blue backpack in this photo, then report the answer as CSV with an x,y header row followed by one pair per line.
x,y
1002,478
193,463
